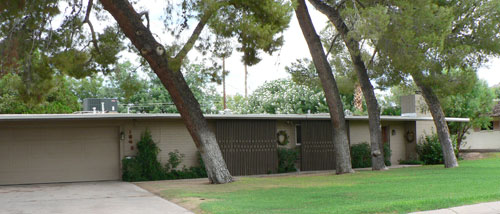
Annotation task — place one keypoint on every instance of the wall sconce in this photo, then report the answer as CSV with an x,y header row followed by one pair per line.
x,y
393,132
122,135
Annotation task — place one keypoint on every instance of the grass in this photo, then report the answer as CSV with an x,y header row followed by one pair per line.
x,y
394,191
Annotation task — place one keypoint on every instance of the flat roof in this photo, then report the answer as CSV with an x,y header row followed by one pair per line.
x,y
16,117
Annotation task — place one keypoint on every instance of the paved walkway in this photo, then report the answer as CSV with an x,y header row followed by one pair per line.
x,y
88,197
482,208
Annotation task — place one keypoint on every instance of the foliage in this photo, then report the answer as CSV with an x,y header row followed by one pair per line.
x,y
391,110
152,97
387,154
57,99
430,151
496,91
286,97
440,42
475,104
132,170
145,166
42,40
286,160
175,159
147,156
390,103
402,190
304,73
361,155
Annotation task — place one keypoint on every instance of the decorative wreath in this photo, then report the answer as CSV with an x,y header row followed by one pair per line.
x,y
410,136
282,137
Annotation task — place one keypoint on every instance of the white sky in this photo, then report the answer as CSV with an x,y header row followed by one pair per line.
x,y
273,67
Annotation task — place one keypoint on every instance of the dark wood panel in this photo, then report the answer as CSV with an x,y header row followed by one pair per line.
x,y
317,146
248,147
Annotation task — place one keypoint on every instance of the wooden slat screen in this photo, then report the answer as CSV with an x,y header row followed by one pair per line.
x,y
248,146
317,146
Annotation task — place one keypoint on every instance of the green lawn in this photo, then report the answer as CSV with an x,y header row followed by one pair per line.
x,y
394,191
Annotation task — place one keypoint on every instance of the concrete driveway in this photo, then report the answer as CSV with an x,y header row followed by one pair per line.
x,y
89,197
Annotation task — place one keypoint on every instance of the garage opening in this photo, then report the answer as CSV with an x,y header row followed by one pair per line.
x,y
58,154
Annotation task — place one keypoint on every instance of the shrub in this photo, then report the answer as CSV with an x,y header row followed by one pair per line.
x,y
361,155
174,160
430,151
132,170
387,154
286,160
145,166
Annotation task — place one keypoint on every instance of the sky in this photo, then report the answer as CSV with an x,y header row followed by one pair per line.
x,y
272,67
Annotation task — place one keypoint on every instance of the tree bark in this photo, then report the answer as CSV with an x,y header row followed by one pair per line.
x,y
170,75
341,145
437,113
359,66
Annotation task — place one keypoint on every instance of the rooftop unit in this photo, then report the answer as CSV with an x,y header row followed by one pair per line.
x,y
101,105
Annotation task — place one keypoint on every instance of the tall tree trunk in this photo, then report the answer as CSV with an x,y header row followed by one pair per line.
x,y
170,75
341,145
246,78
364,80
224,81
437,113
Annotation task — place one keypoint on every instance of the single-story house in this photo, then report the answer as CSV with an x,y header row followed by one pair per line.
x,y
89,147
486,139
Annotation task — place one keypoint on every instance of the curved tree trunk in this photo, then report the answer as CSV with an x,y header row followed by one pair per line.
x,y
364,80
443,132
341,145
170,75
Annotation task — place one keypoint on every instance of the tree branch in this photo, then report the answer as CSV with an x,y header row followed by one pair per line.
x,y
146,14
87,20
194,36
331,45
322,6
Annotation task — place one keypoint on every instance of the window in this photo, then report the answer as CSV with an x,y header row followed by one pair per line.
x,y
298,134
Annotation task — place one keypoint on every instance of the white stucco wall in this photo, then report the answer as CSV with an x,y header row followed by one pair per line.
x,y
486,139
359,132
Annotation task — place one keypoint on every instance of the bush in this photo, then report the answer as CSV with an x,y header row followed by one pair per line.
x,y
286,160
387,154
146,166
132,170
361,155
430,151
174,160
